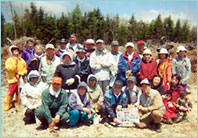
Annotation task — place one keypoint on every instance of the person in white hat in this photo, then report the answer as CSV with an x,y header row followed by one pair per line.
x,y
151,107
181,65
148,68
100,65
73,43
49,63
129,63
164,68
89,46
68,71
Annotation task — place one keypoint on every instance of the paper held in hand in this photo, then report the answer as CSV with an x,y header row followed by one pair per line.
x,y
128,115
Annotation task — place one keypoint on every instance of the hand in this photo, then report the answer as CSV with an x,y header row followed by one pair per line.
x,y
189,109
128,73
51,125
98,63
170,104
103,66
57,119
87,110
140,107
115,120
70,81
119,107
89,116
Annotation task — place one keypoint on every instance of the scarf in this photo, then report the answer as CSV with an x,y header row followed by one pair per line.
x,y
54,93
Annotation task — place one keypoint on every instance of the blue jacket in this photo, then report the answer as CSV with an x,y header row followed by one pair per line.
x,y
111,102
124,65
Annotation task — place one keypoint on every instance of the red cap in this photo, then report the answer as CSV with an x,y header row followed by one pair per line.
x,y
141,42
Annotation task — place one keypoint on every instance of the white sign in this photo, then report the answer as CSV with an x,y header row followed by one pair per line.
x,y
128,115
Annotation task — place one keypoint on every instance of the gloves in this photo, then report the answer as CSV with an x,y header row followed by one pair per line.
x,y
78,77
70,81
181,108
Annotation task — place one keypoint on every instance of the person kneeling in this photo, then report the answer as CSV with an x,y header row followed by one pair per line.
x,y
54,105
80,105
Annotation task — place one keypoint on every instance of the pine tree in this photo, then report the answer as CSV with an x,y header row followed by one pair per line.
x,y
178,31
158,27
193,34
169,28
185,32
132,28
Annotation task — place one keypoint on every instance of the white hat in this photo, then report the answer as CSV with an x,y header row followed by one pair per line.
x,y
129,44
147,51
99,41
67,53
12,47
145,81
163,51
181,48
89,41
49,46
33,73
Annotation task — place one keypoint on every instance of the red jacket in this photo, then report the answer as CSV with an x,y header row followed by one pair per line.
x,y
147,70
175,92
170,111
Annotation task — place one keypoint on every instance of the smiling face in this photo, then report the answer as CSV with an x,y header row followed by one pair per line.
x,y
156,81
100,46
30,45
162,56
15,53
56,86
182,53
92,82
81,55
174,81
73,38
117,90
82,90
141,48
147,57
130,50
50,53
34,79
67,59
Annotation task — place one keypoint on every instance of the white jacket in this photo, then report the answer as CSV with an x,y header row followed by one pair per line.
x,y
104,59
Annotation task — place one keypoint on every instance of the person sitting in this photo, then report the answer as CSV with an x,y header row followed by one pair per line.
x,y
133,92
83,64
94,92
15,67
181,65
156,83
151,107
62,48
183,105
35,62
54,108
114,99
164,67
148,68
31,94
174,86
129,63
169,115
80,106
68,71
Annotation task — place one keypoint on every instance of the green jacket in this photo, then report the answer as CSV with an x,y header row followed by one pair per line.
x,y
53,106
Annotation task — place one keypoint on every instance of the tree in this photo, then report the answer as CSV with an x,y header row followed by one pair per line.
x,y
122,34
185,32
178,31
169,28
3,39
158,27
193,34
132,28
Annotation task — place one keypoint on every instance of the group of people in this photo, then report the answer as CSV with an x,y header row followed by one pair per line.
x,y
73,83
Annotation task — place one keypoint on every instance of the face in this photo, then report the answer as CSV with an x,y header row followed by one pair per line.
x,y
130,84
168,97
56,86
81,55
185,97
174,81
15,53
141,48
156,81
34,79
115,48
30,45
82,90
89,46
38,51
117,90
162,56
181,53
130,50
62,45
147,57
146,88
66,59
100,46
92,82
73,38
50,52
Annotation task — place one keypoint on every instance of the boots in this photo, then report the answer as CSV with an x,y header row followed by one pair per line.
x,y
8,103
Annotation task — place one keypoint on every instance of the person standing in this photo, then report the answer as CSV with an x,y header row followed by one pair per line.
x,y
62,48
73,43
89,47
141,47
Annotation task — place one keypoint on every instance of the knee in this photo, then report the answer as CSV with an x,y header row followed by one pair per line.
x,y
74,113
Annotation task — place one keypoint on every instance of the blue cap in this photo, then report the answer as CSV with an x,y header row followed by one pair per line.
x,y
30,41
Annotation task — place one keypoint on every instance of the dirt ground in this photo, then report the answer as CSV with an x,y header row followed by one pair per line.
x,y
12,124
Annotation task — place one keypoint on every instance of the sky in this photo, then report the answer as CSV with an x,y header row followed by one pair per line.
x,y
145,10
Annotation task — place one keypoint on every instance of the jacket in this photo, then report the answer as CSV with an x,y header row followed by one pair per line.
x,y
73,46
53,106
159,88
84,68
31,93
95,93
28,55
111,102
49,69
169,111
13,68
147,70
100,73
164,69
76,101
124,65
175,91
182,67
